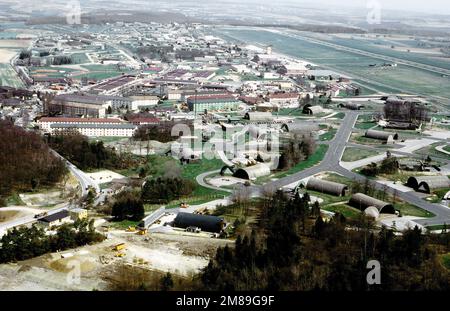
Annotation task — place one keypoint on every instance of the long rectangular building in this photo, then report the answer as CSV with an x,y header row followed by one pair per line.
x,y
87,105
91,127
212,103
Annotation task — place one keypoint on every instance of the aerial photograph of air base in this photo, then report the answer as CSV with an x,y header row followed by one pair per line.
x,y
224,145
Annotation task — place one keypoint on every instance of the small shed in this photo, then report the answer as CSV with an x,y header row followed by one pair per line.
x,y
362,202
205,222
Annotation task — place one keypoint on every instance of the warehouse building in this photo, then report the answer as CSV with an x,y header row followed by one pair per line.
x,y
428,183
204,222
56,219
326,186
94,106
252,172
362,202
388,137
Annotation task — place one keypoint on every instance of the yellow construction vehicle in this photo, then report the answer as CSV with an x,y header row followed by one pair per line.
x,y
119,247
131,229
120,254
142,231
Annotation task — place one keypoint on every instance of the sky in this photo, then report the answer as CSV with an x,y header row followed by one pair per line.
x,y
426,6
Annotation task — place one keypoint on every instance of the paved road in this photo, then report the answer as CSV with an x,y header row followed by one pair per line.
x,y
331,163
82,178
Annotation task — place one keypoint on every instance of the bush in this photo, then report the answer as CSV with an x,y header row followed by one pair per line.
x,y
128,206
164,190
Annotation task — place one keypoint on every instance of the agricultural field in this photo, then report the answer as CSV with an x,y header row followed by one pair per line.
x,y
398,79
8,77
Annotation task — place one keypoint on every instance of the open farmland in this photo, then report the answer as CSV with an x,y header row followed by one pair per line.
x,y
8,76
398,79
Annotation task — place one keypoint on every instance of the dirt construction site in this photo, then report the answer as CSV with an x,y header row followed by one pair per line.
x,y
89,267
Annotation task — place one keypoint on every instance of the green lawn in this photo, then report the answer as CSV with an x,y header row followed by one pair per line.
x,y
446,260
124,224
311,161
344,209
365,125
407,209
79,58
340,115
8,77
438,227
14,199
314,159
438,195
354,154
191,171
329,135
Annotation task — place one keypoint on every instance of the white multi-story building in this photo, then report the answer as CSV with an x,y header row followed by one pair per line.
x,y
88,126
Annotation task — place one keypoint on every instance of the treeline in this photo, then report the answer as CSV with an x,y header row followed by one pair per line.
x,y
388,166
161,132
77,149
25,243
164,190
26,162
24,54
127,206
62,60
296,149
290,249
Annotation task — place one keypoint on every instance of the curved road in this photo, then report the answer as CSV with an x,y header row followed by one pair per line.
x,y
331,163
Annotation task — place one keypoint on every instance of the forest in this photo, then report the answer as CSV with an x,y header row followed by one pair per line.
x,y
26,162
292,247
86,154
24,243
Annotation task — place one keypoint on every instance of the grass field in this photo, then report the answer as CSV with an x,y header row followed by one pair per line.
x,y
311,161
446,260
329,135
79,58
8,77
354,154
344,209
401,78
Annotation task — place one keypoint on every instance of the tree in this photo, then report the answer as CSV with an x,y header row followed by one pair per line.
x,y
127,205
167,282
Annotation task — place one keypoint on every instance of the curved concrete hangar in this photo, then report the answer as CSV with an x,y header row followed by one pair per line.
x,y
362,201
204,222
326,186
388,137
428,183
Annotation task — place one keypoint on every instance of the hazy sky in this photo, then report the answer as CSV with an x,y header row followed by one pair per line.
x,y
426,6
